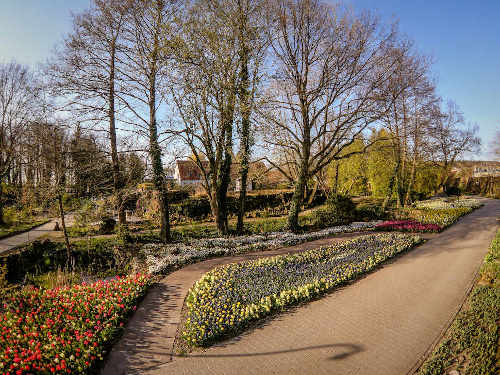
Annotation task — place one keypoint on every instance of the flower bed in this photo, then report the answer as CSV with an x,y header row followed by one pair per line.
x,y
65,330
407,226
442,217
227,298
444,203
161,258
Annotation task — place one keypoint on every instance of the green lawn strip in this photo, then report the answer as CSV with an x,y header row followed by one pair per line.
x,y
471,343
19,228
229,298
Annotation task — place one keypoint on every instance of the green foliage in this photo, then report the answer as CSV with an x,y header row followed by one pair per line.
x,y
3,279
123,234
107,225
370,212
380,164
198,208
352,174
490,271
339,210
426,179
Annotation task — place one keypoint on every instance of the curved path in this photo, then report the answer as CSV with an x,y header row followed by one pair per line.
x,y
383,323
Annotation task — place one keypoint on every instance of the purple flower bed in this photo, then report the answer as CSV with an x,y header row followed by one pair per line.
x,y
407,226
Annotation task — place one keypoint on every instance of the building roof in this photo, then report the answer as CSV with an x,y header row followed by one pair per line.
x,y
189,171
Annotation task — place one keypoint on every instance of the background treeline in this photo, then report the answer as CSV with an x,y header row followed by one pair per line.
x,y
331,98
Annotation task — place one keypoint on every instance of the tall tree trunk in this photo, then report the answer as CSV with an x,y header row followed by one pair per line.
x,y
392,181
411,182
300,185
297,199
221,211
158,173
154,146
223,177
2,220
336,190
244,97
69,257
117,183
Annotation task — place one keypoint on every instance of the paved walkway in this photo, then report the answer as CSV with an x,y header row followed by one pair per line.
x,y
20,239
381,324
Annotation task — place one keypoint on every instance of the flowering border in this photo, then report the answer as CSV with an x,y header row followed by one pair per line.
x,y
65,330
162,258
408,226
226,299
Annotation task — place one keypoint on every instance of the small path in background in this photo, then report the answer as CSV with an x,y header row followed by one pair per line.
x,y
383,323
10,243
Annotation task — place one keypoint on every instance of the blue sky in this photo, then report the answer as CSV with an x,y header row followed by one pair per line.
x,y
462,36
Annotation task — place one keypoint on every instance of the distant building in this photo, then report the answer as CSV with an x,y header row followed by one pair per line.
x,y
477,168
186,172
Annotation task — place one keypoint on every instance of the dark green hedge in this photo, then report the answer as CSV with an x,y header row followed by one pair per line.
x,y
199,207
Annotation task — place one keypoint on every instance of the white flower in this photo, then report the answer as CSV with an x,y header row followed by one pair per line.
x,y
160,258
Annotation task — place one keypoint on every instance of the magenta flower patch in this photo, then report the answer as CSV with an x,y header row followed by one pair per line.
x,y
408,226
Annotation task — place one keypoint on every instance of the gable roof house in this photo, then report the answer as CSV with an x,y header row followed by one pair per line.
x,y
186,172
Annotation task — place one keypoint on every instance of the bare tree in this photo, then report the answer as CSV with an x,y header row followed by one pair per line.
x,y
251,25
17,103
85,72
327,88
451,138
411,96
143,65
206,92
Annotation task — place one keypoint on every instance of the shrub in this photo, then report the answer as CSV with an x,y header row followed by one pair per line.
x,y
368,212
65,330
107,225
198,208
123,234
342,206
225,300
339,210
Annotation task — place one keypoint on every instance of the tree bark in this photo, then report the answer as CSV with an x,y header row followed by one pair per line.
x,y
158,173
117,182
297,198
154,146
244,97
2,220
392,183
